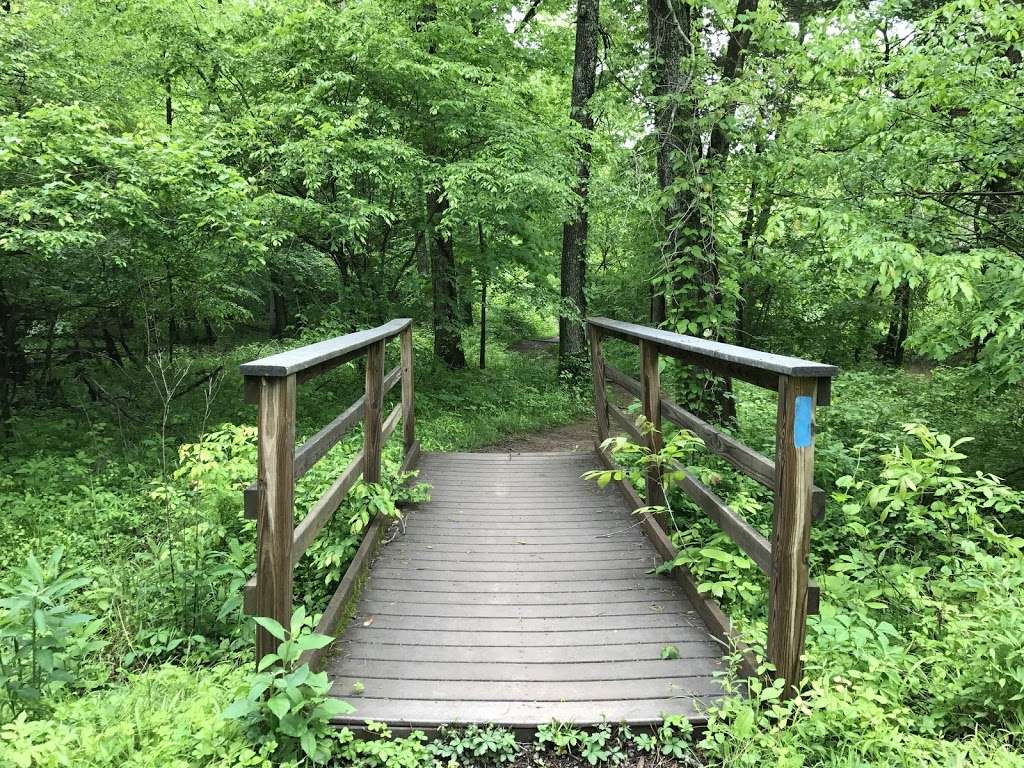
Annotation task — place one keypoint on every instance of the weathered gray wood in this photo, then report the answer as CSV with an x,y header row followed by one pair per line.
x,y
294,361
465,610
791,529
748,461
748,364
531,690
515,654
597,376
408,392
676,669
275,446
372,439
458,588
650,400
525,714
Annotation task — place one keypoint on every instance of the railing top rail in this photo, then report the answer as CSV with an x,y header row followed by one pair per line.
x,y
715,350
300,359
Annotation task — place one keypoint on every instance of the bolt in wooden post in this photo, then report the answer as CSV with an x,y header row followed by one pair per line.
x,y
408,393
791,529
275,511
371,415
597,375
650,397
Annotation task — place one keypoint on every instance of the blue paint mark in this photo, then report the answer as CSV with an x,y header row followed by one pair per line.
x,y
803,422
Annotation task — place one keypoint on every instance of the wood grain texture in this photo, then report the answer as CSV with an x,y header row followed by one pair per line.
x,y
650,401
408,392
296,360
597,364
372,439
751,363
791,533
275,516
511,613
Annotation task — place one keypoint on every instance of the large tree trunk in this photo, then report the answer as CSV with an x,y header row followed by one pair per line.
x,y
571,335
899,325
444,285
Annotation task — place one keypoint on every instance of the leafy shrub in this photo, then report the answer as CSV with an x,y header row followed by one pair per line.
x,y
287,704
42,640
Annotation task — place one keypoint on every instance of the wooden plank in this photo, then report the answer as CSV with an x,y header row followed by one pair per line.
x,y
743,458
533,598
522,714
325,507
708,353
372,440
458,671
515,654
791,529
458,638
597,377
532,691
502,587
295,360
650,400
553,624
408,392
465,610
275,444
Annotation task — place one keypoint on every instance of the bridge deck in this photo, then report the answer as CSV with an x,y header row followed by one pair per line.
x,y
520,594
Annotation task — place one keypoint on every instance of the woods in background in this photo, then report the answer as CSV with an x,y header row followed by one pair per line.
x,y
736,170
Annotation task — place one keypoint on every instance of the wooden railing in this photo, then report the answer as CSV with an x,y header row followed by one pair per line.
x,y
801,386
270,383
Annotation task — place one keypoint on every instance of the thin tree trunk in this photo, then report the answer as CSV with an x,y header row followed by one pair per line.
x,y
483,296
571,334
444,285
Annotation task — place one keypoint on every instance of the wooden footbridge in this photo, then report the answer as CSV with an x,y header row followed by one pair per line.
x,y
522,593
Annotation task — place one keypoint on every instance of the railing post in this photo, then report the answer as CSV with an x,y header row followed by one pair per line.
x,y
275,513
650,397
791,529
371,414
598,377
408,393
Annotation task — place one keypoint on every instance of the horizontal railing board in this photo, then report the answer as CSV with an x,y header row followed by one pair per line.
x,y
296,360
755,360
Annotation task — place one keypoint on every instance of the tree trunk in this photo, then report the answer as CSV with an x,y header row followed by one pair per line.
x,y
572,342
444,285
899,325
483,295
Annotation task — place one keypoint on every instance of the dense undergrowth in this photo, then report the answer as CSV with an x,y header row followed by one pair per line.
x,y
124,548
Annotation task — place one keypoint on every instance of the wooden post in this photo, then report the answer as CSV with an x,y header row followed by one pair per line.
x,y
374,405
275,510
597,375
791,529
408,392
650,397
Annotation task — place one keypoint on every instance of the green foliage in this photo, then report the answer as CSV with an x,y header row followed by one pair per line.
x,y
478,745
287,705
42,640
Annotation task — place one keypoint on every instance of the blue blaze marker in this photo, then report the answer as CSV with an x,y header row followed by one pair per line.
x,y
803,422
